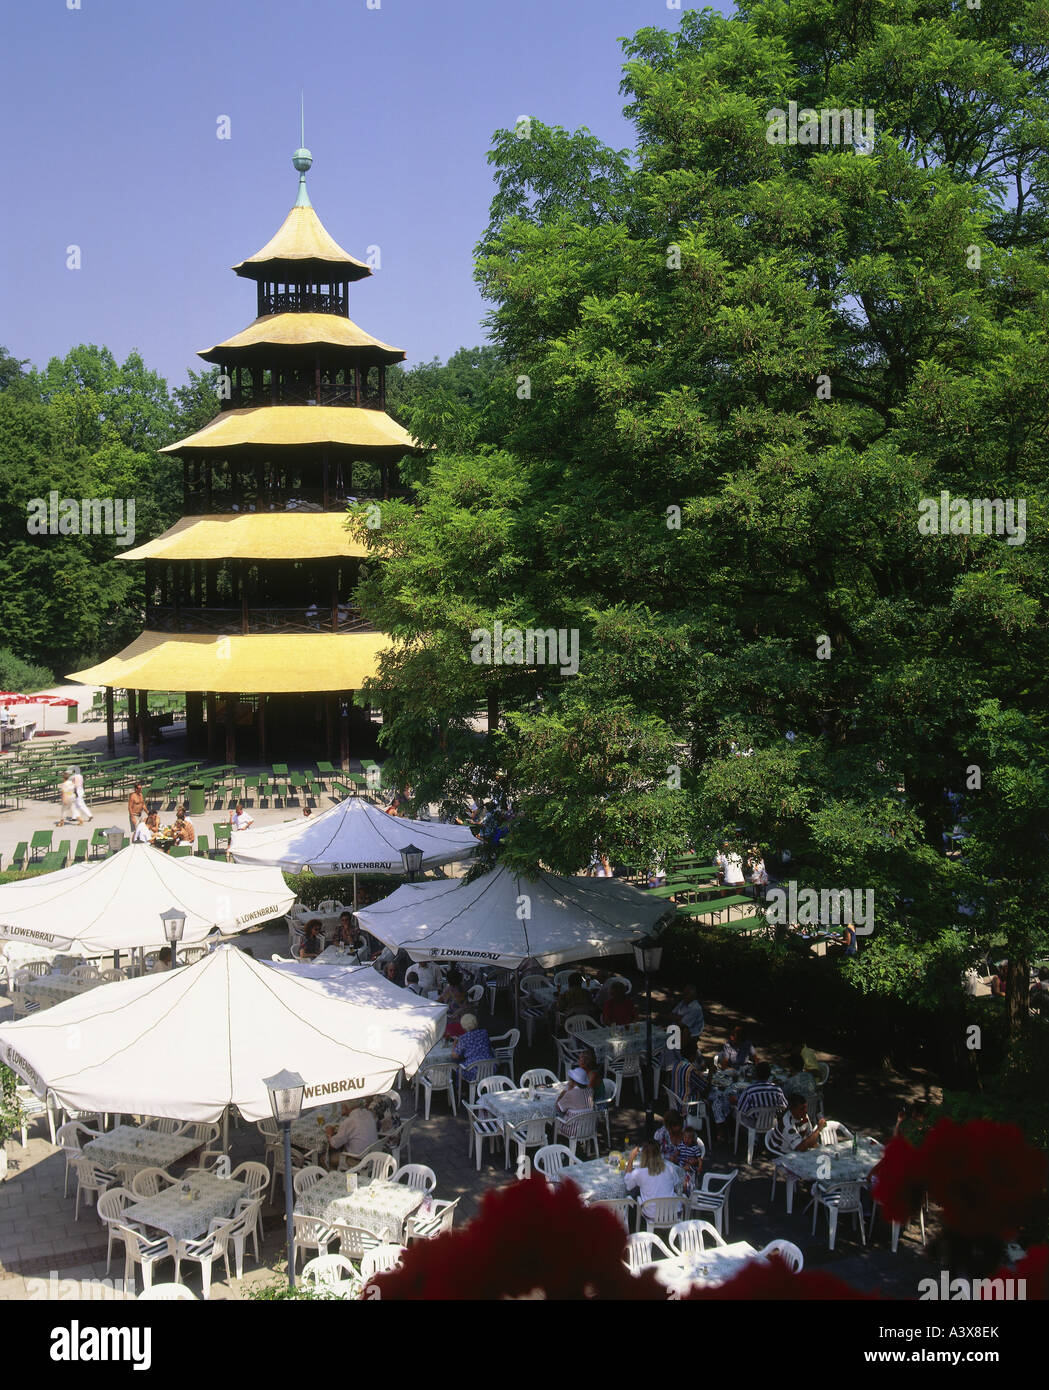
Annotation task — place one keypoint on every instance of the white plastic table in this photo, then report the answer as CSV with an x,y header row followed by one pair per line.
x,y
379,1207
514,1107
832,1163
188,1214
138,1148
597,1182
607,1043
710,1267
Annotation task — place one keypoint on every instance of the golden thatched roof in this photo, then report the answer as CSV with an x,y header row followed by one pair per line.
x,y
260,663
366,432
252,536
302,246
301,331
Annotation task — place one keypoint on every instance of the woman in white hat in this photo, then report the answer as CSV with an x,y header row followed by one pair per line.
x,y
577,1095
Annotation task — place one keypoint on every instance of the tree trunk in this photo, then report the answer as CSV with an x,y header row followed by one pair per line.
x,y
1016,991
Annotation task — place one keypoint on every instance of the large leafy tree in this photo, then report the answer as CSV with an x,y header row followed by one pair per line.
x,y
730,372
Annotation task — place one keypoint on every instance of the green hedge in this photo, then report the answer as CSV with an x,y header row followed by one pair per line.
x,y
311,889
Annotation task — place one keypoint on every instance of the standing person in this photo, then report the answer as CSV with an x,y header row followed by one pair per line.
x,y
759,877
731,867
66,792
79,804
136,805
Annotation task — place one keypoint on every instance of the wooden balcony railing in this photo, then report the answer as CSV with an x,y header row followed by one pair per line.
x,y
238,621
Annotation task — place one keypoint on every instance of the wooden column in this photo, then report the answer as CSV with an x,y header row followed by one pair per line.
x,y
262,728
324,479
132,714
382,388
493,710
329,724
335,597
111,739
231,728
345,698
207,485
213,733
194,720
143,725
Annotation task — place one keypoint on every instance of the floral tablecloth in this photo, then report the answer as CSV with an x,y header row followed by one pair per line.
x,y
308,1133
379,1207
138,1148
49,990
187,1216
597,1182
708,1267
514,1107
833,1163
620,1042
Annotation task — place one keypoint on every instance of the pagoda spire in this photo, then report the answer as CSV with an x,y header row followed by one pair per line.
x,y
302,159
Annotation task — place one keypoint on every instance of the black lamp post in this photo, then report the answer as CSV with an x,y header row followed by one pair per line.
x,y
286,1103
412,859
648,955
174,923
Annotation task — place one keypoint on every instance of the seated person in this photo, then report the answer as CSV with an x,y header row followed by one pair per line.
x,y
618,1010
576,1095
761,1094
689,1012
574,1000
795,1128
587,1061
312,943
454,995
184,832
652,1177
800,1082
427,977
357,1132
163,961
240,819
144,832
690,1158
474,1046
349,934
669,1136
737,1051
689,1077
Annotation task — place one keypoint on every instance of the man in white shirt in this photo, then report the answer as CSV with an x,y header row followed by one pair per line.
x,y
795,1127
426,973
239,819
358,1130
689,1013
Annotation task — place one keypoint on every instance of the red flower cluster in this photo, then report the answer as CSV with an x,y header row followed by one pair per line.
x,y
527,1239
983,1175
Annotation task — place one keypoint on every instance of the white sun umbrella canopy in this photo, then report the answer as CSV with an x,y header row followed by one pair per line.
x,y
115,903
503,918
188,1043
354,837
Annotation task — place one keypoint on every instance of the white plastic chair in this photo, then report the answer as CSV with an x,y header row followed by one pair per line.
x,y
147,1182
90,1178
642,1249
205,1251
626,1067
110,1206
355,1241
241,1226
328,1271
376,1166
504,1047
416,1176
553,1160
539,1076
755,1122
69,1140
530,1134
833,1134
776,1145
439,1077
483,1129
620,1207
145,1251
311,1233
380,1259
305,1179
485,1067
110,977
838,1199
580,1023
257,1178
578,1128
688,1237
84,972
425,1226
661,1213
399,1140
788,1253
713,1196
494,1083
167,1293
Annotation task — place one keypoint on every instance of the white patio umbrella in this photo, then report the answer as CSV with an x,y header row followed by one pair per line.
x,y
504,919
353,837
189,1043
114,904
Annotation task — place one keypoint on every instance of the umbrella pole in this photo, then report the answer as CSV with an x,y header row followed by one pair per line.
x,y
355,892
225,1130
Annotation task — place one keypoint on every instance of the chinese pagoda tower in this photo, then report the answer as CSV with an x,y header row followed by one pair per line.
x,y
248,596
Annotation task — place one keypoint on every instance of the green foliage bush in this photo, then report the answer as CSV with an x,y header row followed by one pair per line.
x,y
26,677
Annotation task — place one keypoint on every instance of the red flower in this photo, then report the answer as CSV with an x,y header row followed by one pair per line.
x,y
758,1280
898,1182
984,1176
526,1239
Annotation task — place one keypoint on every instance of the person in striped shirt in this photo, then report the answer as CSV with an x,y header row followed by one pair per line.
x,y
761,1094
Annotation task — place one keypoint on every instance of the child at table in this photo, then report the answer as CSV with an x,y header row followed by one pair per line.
x,y
690,1158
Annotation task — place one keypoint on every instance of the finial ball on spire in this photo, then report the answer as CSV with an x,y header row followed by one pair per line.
x,y
302,159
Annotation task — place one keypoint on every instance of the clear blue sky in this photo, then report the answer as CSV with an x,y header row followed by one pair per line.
x,y
111,115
